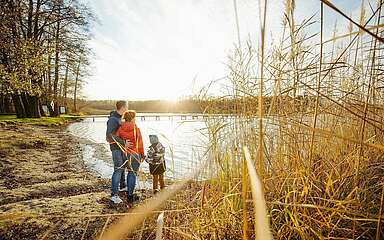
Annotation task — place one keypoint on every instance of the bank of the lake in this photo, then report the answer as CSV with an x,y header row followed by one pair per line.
x,y
43,179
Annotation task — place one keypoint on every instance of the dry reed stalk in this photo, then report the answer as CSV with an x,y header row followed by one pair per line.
x,y
327,133
187,236
340,56
237,23
127,224
261,221
331,5
372,122
361,152
85,229
159,226
104,227
328,190
318,87
142,229
378,228
260,157
50,229
244,187
290,9
203,190
350,34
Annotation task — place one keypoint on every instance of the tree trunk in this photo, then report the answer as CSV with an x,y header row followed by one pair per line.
x,y
31,105
57,62
66,85
19,107
60,94
36,22
25,101
2,103
29,19
75,92
34,106
49,88
75,98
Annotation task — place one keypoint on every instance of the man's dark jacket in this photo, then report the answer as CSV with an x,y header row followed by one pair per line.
x,y
113,123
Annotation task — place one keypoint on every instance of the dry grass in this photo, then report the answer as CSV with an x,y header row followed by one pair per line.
x,y
311,122
310,119
317,144
322,162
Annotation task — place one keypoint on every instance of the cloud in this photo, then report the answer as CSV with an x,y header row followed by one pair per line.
x,y
154,49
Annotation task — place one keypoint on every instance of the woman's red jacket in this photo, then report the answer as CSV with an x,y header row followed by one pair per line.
x,y
130,132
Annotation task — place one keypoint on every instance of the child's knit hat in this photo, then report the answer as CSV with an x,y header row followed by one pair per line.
x,y
153,139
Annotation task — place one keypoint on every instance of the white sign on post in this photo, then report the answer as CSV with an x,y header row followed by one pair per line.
x,y
62,109
45,109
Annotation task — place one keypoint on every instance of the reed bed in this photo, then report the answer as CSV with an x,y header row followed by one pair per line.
x,y
301,156
314,132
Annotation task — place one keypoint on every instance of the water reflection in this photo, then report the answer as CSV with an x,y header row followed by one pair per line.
x,y
184,141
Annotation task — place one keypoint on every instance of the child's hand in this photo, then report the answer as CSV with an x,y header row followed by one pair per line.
x,y
159,155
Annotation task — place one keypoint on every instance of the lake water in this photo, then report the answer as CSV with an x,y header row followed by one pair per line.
x,y
185,142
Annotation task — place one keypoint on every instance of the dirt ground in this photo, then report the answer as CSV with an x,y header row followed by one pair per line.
x,y
45,190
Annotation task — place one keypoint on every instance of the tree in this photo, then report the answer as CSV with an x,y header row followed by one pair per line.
x,y
33,33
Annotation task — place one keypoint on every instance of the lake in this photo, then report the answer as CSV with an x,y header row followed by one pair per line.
x,y
185,142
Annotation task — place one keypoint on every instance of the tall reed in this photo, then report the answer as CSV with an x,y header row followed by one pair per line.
x,y
309,116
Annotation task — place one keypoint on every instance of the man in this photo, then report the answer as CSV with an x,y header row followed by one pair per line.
x,y
118,157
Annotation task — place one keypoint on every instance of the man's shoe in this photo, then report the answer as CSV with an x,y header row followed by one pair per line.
x,y
116,199
130,198
123,189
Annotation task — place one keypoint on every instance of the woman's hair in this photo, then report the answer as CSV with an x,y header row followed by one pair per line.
x,y
129,115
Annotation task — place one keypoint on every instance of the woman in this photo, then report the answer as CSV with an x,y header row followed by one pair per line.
x,y
134,150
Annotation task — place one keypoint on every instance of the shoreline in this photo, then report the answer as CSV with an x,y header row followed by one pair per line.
x,y
43,174
97,159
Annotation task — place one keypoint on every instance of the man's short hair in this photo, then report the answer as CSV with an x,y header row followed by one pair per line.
x,y
120,104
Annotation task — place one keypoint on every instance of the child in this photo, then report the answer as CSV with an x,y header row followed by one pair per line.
x,y
134,150
155,158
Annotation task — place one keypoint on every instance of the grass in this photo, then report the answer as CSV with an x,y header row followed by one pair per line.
x,y
43,121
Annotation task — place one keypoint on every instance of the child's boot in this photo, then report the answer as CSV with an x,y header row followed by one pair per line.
x,y
155,183
161,181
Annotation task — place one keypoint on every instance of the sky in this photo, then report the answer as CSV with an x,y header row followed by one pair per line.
x,y
168,49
